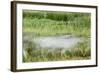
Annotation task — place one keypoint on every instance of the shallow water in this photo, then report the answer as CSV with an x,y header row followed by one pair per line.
x,y
52,43
66,41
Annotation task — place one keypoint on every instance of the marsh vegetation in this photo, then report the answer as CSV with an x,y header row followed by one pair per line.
x,y
55,25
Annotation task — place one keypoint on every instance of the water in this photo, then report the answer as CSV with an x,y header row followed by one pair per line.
x,y
53,43
66,41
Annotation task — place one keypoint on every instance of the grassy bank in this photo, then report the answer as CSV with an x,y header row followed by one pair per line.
x,y
79,52
56,23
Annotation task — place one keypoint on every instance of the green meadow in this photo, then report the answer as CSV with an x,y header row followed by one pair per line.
x,y
52,23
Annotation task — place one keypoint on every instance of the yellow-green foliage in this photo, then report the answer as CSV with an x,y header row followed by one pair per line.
x,y
81,51
43,23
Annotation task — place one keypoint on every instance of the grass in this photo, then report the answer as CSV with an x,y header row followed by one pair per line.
x,y
47,23
56,23
34,54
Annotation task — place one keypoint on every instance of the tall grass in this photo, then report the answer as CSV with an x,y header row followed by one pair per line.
x,y
56,23
34,54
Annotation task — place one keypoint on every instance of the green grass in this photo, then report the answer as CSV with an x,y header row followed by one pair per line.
x,y
47,23
56,23
81,51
